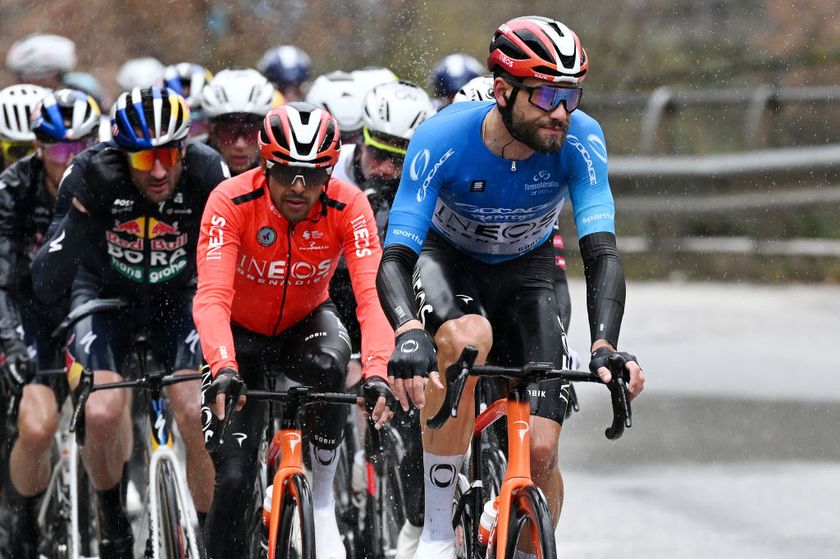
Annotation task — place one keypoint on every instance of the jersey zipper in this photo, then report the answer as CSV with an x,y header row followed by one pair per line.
x,y
290,231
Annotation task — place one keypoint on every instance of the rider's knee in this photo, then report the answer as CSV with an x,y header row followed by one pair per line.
x,y
330,364
471,329
104,415
36,430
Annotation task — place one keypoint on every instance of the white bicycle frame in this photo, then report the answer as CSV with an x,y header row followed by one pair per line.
x,y
162,452
65,473
188,517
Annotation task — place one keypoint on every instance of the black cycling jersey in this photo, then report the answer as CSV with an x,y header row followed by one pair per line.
x,y
125,239
26,209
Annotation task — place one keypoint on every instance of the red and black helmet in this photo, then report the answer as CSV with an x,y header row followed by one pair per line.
x,y
538,47
300,134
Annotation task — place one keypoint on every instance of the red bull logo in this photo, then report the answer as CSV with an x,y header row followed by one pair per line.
x,y
137,227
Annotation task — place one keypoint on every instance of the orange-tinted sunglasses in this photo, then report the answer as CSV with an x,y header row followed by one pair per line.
x,y
145,160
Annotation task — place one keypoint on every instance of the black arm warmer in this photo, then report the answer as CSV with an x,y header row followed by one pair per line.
x,y
605,289
393,283
54,267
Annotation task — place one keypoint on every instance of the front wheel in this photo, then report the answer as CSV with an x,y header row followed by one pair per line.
x,y
296,533
530,527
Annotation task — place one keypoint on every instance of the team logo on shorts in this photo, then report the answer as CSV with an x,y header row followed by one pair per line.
x,y
266,236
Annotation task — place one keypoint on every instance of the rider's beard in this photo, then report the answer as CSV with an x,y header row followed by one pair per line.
x,y
528,132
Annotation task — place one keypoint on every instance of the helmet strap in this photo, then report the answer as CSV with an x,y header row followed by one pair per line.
x,y
507,111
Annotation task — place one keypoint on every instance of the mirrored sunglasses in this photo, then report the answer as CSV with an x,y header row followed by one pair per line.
x,y
63,151
229,132
286,175
12,151
145,160
548,98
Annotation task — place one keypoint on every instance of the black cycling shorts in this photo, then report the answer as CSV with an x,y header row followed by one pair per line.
x,y
516,296
103,341
313,352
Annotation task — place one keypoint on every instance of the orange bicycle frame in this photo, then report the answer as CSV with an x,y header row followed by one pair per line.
x,y
287,444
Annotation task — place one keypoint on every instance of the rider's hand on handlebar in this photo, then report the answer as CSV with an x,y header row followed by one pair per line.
x,y
227,382
378,400
413,359
598,365
19,368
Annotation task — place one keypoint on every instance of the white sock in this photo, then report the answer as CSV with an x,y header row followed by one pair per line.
x,y
440,474
324,463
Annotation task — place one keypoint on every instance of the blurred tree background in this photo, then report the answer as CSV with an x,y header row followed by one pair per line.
x,y
633,44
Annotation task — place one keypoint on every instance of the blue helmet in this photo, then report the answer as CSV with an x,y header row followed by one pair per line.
x,y
285,65
65,115
188,81
149,118
453,72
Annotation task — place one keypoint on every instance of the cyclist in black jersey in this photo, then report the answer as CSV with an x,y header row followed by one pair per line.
x,y
375,166
127,217
63,124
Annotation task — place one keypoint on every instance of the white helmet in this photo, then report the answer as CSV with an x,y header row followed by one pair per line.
x,y
41,55
238,91
16,105
343,96
477,89
140,72
396,109
372,76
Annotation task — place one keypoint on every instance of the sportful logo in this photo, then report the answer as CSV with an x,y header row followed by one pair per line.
x,y
419,164
421,194
596,144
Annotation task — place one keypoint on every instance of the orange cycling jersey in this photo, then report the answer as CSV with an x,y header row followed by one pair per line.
x,y
261,272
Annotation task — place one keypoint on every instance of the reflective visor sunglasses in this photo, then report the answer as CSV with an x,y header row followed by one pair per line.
x,y
380,150
228,132
548,98
12,151
63,151
145,160
286,175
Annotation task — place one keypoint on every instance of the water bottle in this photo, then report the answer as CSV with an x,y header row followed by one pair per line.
x,y
488,521
266,517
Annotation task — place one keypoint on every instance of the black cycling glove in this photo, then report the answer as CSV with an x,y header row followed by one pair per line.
x,y
227,382
372,389
18,368
414,355
601,356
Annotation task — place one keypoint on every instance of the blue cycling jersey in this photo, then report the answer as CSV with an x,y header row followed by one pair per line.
x,y
491,208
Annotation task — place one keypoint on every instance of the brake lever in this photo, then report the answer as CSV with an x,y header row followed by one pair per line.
x,y
620,397
77,421
230,403
456,379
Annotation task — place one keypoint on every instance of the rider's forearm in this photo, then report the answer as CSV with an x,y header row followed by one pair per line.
x,y
58,259
393,284
605,287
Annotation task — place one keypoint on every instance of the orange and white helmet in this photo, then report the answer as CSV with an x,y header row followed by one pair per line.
x,y
301,135
538,47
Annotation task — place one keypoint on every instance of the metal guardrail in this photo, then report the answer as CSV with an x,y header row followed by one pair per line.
x,y
662,104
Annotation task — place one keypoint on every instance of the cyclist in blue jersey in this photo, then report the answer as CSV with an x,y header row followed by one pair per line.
x,y
469,258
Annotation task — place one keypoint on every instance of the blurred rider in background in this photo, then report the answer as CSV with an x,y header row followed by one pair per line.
x,y
235,103
288,68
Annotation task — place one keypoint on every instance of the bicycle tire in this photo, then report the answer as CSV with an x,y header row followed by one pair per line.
x,y
172,534
347,513
86,512
296,504
384,513
529,508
